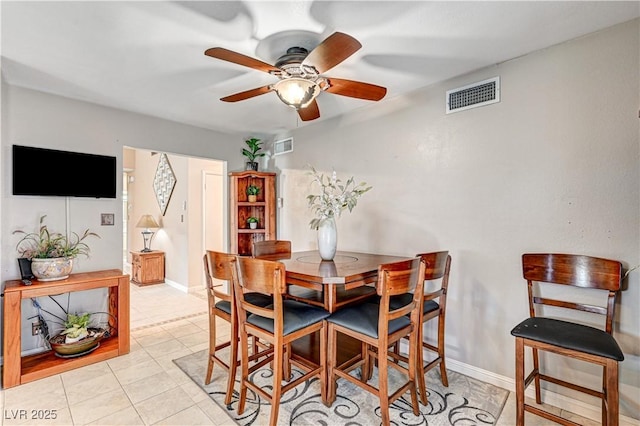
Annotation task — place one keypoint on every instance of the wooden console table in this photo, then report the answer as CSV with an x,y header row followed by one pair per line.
x,y
18,369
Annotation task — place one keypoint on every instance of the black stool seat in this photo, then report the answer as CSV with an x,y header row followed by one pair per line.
x,y
257,299
364,319
568,335
296,316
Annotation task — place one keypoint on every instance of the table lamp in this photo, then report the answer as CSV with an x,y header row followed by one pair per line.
x,y
147,221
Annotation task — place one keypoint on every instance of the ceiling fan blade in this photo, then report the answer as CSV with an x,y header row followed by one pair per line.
x,y
247,94
240,59
333,50
356,89
311,112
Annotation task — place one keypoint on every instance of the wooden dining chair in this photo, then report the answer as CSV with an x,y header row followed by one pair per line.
x,y
378,325
436,280
278,324
300,291
218,266
572,338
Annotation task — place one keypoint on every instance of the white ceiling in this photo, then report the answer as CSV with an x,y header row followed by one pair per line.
x,y
148,56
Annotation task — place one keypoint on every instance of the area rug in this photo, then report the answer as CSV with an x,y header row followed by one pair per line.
x,y
465,402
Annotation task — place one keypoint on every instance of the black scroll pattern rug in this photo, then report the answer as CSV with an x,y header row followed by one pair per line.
x,y
465,402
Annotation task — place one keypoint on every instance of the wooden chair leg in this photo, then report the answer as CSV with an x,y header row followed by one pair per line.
x,y
366,368
245,372
610,379
332,347
536,367
422,386
233,362
519,382
443,365
278,371
383,386
212,347
323,361
415,346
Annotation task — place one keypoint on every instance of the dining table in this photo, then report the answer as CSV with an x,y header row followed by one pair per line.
x,y
349,278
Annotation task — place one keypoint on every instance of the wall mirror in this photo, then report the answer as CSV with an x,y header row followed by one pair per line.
x,y
164,182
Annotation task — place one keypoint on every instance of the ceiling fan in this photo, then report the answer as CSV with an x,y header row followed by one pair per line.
x,y
300,75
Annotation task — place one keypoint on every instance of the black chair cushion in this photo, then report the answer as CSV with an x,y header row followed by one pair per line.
x,y
257,299
569,335
296,315
401,300
364,319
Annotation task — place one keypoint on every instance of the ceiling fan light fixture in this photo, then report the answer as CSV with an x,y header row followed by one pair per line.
x,y
297,92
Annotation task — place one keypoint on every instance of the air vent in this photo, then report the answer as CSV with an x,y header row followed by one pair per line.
x,y
473,95
283,146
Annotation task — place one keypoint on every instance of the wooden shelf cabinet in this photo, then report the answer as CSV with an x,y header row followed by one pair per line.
x,y
18,369
147,267
241,236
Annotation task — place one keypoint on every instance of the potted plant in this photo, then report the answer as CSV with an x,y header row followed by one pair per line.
x,y
51,253
253,222
252,192
78,336
252,153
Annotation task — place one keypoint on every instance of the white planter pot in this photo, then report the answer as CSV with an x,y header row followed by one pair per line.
x,y
54,269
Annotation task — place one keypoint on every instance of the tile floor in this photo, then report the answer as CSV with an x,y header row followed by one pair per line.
x,y
145,387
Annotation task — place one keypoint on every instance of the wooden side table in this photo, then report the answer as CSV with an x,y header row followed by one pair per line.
x,y
19,369
147,267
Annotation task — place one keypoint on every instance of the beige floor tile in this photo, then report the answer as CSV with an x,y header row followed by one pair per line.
x,y
81,390
128,416
164,405
191,416
196,393
165,348
217,415
73,377
194,339
99,406
43,394
149,386
132,359
137,372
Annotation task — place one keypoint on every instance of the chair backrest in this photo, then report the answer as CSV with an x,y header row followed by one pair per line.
x,y
261,276
399,278
271,249
437,267
218,266
577,271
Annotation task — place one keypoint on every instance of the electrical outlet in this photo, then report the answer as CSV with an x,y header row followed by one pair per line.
x,y
36,328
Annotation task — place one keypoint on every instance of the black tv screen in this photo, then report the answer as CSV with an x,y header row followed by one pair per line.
x,y
49,172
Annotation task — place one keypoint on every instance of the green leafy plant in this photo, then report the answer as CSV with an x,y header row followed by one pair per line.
x,y
252,219
253,152
252,190
335,196
76,326
45,244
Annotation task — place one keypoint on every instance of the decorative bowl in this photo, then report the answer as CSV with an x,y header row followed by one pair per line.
x,y
78,348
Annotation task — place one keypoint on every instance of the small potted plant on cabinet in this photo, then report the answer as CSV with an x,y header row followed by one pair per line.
x,y
252,192
252,153
253,222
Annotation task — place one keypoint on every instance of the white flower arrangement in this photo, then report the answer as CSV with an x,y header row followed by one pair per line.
x,y
335,196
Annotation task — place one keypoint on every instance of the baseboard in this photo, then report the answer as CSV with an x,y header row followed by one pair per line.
x,y
552,398
177,286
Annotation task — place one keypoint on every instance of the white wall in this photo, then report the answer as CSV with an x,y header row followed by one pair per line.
x,y
553,167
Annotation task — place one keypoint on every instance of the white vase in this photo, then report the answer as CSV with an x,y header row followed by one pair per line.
x,y
53,269
327,238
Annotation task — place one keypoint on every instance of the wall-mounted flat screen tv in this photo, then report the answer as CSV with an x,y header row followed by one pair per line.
x,y
50,172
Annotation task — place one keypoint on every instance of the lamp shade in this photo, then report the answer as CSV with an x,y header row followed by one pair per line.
x,y
147,221
297,92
